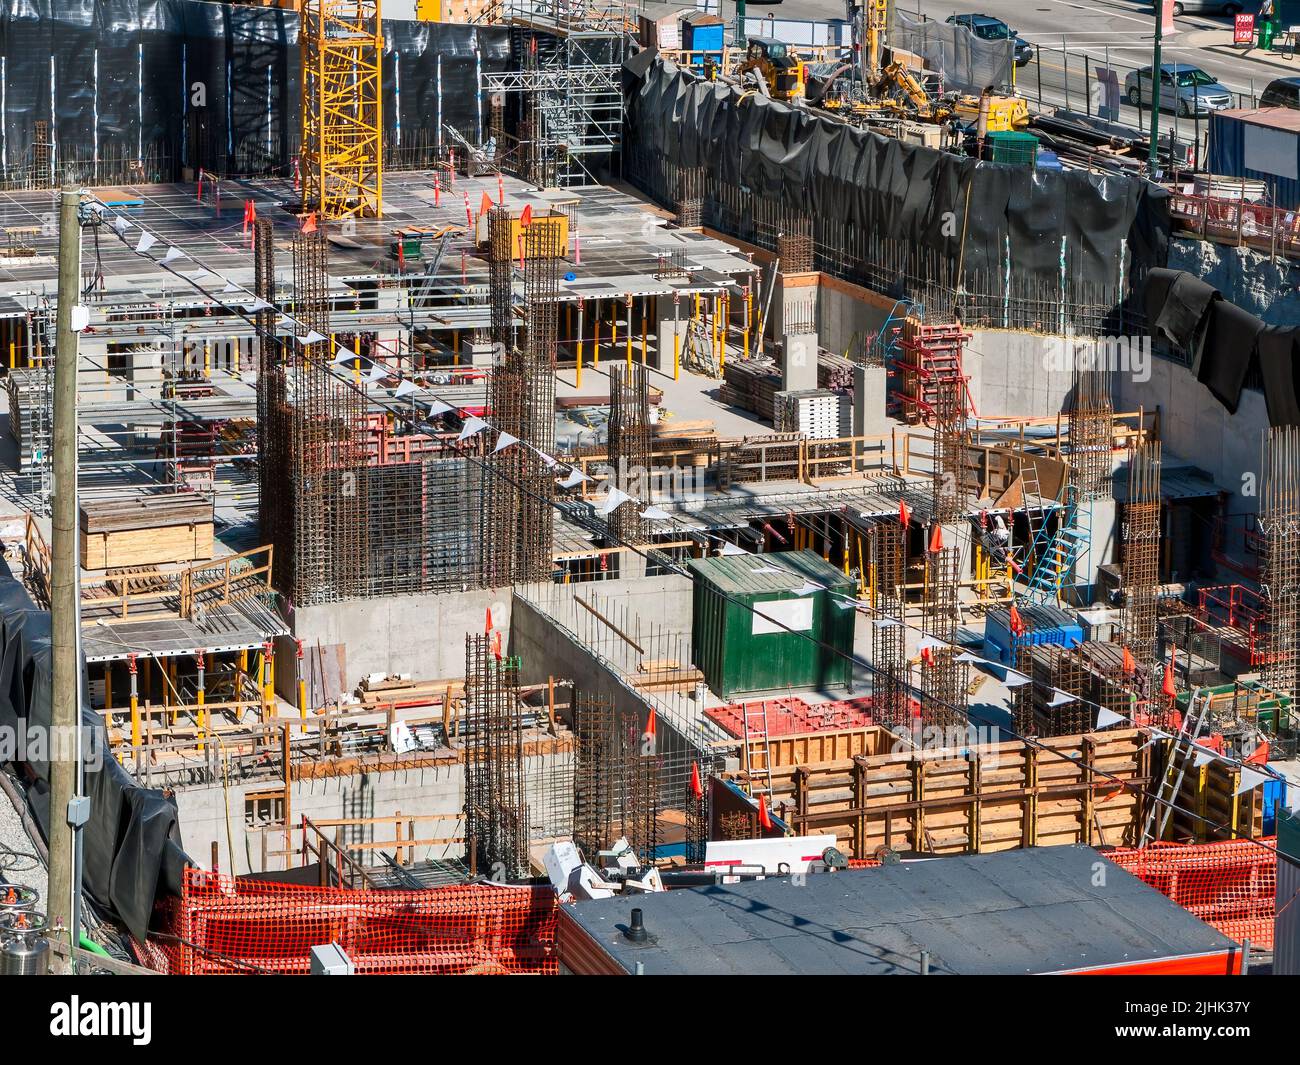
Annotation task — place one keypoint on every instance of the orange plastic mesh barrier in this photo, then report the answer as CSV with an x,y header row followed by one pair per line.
x,y
222,924
1229,885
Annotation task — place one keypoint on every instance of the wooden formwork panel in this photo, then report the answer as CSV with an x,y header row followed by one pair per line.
x,y
1214,810
820,747
985,798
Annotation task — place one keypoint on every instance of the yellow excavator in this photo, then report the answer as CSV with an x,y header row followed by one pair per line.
x,y
893,86
775,71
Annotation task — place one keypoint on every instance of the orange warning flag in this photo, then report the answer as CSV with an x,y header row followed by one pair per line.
x,y
487,619
1129,665
1259,756
927,656
1168,687
764,818
526,219
904,512
1017,622
936,539
697,789
309,223
650,723
484,205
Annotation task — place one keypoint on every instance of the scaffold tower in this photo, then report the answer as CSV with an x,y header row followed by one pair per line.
x,y
341,42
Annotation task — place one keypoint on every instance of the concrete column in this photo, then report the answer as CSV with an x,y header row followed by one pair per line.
x,y
869,388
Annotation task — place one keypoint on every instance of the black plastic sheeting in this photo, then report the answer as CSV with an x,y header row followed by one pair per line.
x,y
131,845
1224,343
214,85
824,167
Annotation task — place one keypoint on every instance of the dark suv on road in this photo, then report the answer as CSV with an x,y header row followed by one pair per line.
x,y
988,28
1282,92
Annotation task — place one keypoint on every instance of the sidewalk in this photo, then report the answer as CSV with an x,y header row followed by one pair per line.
x,y
1219,42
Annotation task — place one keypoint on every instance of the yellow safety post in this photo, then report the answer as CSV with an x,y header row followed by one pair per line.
x,y
749,310
578,381
12,356
722,330
629,332
135,703
302,683
455,347
108,687
595,340
201,715
207,359
644,331
677,336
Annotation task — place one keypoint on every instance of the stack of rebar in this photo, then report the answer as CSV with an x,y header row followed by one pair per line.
x,y
944,681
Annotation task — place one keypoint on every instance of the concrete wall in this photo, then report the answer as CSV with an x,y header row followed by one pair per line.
x,y
1196,427
1268,289
1014,374
204,811
417,634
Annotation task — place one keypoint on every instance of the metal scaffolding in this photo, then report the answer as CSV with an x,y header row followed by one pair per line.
x,y
341,44
1141,538
1279,521
496,816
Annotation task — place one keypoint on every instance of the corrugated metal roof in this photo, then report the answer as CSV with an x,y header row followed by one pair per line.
x,y
1024,911
1287,118
751,574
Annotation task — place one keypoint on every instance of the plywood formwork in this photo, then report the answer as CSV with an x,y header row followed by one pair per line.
x,y
988,798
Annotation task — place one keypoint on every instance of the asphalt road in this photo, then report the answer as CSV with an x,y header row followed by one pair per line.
x,y
1074,37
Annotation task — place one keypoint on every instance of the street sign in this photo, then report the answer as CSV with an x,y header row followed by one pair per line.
x,y
1243,29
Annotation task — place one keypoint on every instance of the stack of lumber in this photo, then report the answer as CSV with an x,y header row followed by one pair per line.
x,y
403,691
666,675
752,385
818,413
146,530
29,397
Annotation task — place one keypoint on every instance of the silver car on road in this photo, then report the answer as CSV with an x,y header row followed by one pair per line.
x,y
1187,90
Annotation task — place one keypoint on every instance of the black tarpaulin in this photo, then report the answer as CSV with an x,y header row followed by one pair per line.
x,y
172,83
1224,342
1279,367
132,844
1036,220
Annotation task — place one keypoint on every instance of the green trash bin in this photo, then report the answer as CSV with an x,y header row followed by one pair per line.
x,y
1265,33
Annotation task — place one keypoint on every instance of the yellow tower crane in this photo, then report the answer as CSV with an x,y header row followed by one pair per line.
x,y
342,160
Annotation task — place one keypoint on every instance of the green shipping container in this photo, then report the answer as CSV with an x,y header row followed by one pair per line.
x,y
740,608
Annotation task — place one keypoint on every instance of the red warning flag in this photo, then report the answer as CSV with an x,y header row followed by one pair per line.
x,y
1259,756
484,205
487,619
697,789
936,539
1017,622
904,512
309,223
1129,665
496,644
927,656
526,219
764,818
1168,687
650,723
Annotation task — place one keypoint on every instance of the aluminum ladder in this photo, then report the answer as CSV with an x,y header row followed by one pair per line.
x,y
755,720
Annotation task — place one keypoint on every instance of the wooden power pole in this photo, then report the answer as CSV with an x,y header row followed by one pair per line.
x,y
65,587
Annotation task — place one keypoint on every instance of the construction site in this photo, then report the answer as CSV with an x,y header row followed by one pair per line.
x,y
524,486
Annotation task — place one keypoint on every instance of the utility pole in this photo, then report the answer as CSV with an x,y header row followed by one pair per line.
x,y
740,22
1153,152
65,588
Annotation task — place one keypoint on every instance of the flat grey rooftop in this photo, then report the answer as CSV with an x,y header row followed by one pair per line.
x,y
1038,910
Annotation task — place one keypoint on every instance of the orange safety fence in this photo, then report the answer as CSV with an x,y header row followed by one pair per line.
x,y
224,924
1231,885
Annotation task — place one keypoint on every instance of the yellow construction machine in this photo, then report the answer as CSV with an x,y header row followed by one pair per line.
x,y
770,65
